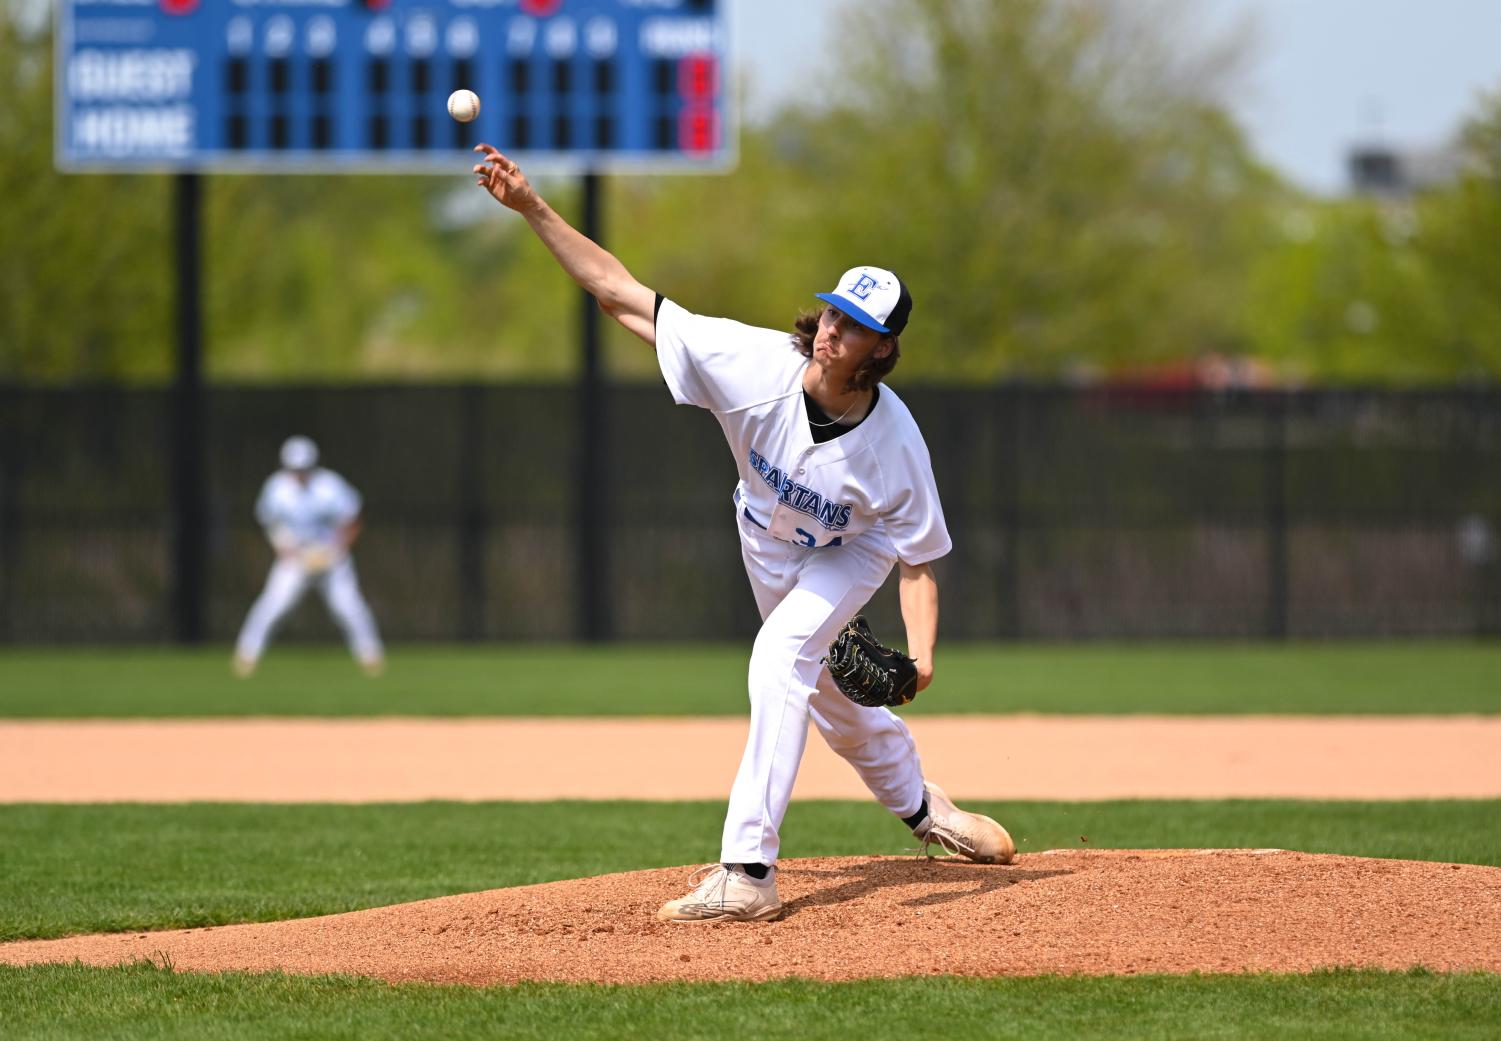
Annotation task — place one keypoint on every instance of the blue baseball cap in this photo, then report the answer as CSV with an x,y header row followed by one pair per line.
x,y
874,297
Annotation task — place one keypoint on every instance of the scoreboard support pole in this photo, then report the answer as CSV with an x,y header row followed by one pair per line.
x,y
190,512
591,525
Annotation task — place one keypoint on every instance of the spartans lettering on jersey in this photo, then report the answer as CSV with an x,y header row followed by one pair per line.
x,y
835,516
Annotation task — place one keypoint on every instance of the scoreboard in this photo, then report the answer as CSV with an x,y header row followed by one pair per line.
x,y
362,85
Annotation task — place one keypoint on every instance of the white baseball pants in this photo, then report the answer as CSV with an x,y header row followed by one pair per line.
x,y
805,597
285,587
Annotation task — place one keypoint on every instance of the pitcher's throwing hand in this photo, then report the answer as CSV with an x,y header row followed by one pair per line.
x,y
502,178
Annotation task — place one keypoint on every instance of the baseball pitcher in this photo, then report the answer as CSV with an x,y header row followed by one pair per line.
x,y
836,488
312,517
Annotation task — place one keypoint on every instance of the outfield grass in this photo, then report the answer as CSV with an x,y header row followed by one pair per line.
x,y
76,869
562,680
143,1002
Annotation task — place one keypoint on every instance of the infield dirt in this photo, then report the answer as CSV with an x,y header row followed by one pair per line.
x,y
973,757
1090,912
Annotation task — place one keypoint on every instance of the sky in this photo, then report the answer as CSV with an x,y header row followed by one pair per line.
x,y
1322,74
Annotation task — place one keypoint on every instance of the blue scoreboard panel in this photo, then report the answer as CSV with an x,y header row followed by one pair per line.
x,y
336,85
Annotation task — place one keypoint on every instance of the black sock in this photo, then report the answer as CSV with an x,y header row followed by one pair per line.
x,y
918,817
756,871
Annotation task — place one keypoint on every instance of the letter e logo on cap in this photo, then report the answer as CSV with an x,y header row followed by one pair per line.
x,y
863,287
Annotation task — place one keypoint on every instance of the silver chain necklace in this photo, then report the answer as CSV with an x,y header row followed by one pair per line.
x,y
832,422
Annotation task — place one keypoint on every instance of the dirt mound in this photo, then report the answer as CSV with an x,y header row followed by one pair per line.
x,y
1093,912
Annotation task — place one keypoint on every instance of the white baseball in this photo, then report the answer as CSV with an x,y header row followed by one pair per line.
x,y
463,105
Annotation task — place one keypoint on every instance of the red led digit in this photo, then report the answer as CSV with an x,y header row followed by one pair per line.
x,y
698,130
541,8
698,77
179,6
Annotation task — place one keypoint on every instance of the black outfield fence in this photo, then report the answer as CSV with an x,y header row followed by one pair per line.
x,y
1076,513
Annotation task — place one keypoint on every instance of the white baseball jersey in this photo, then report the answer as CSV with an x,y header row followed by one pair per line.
x,y
877,476
313,514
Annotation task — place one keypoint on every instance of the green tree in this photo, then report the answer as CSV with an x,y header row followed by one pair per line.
x,y
1459,230
83,286
1391,290
1054,186
1346,297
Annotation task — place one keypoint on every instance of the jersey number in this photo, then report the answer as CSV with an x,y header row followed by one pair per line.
x,y
811,541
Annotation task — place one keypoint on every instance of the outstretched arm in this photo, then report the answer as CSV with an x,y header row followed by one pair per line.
x,y
918,593
595,269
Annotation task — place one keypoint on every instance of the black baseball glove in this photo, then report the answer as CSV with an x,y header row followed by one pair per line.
x,y
868,672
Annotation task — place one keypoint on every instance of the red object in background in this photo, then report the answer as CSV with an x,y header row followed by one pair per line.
x,y
698,130
541,8
377,5
698,77
179,6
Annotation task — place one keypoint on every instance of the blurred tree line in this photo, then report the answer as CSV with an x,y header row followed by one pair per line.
x,y
1058,180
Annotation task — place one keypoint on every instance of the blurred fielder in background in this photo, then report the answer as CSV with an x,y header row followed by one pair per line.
x,y
312,517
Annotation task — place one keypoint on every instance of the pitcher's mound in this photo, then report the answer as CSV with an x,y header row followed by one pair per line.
x,y
1068,911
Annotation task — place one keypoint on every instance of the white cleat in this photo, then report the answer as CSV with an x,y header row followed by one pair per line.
x,y
969,835
374,667
243,668
724,895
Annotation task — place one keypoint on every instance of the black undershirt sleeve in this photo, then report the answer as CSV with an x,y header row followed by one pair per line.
x,y
656,310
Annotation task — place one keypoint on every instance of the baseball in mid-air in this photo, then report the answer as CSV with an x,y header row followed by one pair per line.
x,y
463,105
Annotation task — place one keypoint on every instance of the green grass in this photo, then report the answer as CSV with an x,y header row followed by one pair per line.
x,y
73,869
67,869
562,680
144,1002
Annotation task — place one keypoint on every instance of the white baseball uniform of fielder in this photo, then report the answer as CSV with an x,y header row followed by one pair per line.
x,y
821,526
303,522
